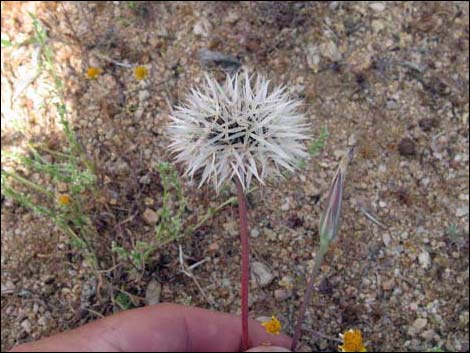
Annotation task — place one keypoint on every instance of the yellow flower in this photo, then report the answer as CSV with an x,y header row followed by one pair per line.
x,y
93,72
64,199
141,73
272,326
352,342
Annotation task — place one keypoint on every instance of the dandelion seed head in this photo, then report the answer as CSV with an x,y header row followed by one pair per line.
x,y
240,128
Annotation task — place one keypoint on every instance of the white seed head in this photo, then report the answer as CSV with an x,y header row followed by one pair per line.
x,y
238,129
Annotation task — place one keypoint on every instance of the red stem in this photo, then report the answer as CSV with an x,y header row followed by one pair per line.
x,y
245,262
308,296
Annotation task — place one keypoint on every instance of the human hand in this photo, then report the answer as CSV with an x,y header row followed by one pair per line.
x,y
159,328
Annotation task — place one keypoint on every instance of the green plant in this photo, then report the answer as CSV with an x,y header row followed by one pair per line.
x,y
316,146
319,143
68,170
170,226
328,231
6,43
131,4
453,232
171,223
64,209
123,301
138,256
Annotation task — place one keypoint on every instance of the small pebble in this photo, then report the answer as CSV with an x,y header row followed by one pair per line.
x,y
202,28
424,260
213,247
148,201
26,325
407,147
388,285
462,211
270,234
391,104
386,239
330,51
150,216
143,95
377,6
417,326
285,206
260,274
463,197
153,292
282,294
254,233
428,335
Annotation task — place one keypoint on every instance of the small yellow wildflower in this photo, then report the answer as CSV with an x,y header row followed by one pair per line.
x,y
272,326
64,199
141,73
93,72
352,342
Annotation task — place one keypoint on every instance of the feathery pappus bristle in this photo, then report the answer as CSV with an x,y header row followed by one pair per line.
x,y
238,129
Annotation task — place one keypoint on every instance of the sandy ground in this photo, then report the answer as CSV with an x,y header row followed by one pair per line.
x,y
391,78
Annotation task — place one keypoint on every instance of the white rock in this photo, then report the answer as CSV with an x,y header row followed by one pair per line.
x,y
330,50
377,6
352,140
232,228
270,234
254,233
377,26
463,197
260,274
335,5
138,113
144,95
153,292
202,28
386,239
8,287
425,181
285,206
282,294
231,18
428,335
26,325
313,57
417,326
462,211
424,259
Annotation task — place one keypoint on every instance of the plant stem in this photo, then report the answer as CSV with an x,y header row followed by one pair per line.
x,y
308,294
211,212
245,262
28,183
